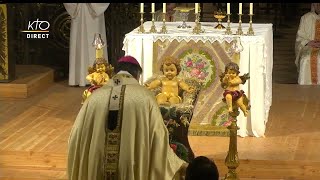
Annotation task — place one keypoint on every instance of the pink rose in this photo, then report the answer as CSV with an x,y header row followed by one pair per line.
x,y
195,72
202,75
189,63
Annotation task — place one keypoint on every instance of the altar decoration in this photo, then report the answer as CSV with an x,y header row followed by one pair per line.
x,y
203,56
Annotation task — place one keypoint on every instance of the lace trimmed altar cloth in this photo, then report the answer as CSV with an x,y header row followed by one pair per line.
x,y
256,58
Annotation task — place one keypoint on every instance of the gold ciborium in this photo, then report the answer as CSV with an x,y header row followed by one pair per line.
x,y
219,15
184,13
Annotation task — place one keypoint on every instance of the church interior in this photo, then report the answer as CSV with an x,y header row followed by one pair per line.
x,y
38,107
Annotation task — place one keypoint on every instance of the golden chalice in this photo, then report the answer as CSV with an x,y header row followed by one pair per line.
x,y
219,15
184,13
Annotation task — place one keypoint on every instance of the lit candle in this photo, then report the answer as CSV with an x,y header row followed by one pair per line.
x,y
228,8
164,6
196,8
141,7
152,7
240,8
251,8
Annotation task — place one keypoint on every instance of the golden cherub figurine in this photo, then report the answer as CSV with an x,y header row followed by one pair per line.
x,y
97,76
233,96
169,83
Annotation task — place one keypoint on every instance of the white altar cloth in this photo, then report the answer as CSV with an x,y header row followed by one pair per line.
x,y
256,58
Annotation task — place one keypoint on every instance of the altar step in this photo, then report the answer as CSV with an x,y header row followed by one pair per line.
x,y
30,80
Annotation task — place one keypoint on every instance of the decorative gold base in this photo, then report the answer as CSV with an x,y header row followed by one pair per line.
x,y
164,29
153,29
219,26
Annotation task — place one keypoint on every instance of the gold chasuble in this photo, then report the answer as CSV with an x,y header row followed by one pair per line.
x,y
314,55
119,134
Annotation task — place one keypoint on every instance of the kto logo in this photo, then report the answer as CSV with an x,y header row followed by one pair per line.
x,y
37,29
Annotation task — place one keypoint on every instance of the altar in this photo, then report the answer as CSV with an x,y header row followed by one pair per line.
x,y
204,56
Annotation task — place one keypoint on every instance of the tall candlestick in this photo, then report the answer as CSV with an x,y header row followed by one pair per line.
x,y
141,7
164,6
240,8
251,8
228,8
196,8
152,7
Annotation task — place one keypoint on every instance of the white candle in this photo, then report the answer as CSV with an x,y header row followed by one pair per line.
x,y
196,8
240,8
164,6
251,8
228,8
152,7
141,7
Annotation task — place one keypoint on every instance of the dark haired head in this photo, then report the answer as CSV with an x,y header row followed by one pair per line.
x,y
129,64
202,168
232,66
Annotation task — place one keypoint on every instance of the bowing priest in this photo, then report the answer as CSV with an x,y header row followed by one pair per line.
x,y
307,47
119,133
86,20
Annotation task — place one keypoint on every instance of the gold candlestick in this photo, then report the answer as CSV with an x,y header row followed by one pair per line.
x,y
197,29
250,30
141,28
228,29
239,31
153,27
164,28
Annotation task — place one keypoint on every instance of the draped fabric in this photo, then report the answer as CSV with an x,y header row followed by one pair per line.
x,y
307,58
144,152
86,20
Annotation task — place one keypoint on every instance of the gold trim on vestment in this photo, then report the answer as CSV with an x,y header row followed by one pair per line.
x,y
112,143
314,56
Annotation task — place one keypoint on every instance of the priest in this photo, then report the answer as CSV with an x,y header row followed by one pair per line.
x,y
307,47
119,133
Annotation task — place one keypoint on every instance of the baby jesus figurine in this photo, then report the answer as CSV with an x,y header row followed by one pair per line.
x,y
170,83
233,96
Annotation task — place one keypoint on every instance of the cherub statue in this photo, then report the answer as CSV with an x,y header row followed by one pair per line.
x,y
170,83
233,96
97,76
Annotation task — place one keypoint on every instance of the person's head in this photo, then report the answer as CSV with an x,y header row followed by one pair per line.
x,y
170,67
232,69
131,65
315,7
100,65
202,168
